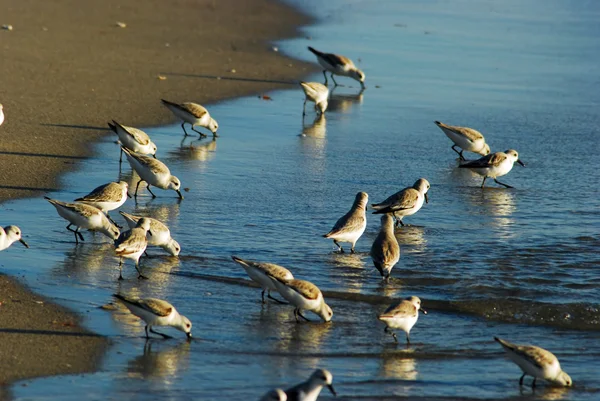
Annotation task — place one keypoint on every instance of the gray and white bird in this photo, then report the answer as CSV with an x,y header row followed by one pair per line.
x,y
536,362
385,251
193,114
10,234
131,244
352,225
405,202
304,295
466,139
275,395
338,65
133,139
316,93
86,217
310,389
261,274
156,312
161,235
107,197
402,315
494,165
153,172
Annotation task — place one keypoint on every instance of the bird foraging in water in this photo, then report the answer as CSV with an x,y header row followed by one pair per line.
x,y
317,93
338,65
494,165
466,139
153,172
352,225
107,197
133,139
193,114
402,315
405,202
10,234
311,388
385,251
161,235
261,273
131,244
304,295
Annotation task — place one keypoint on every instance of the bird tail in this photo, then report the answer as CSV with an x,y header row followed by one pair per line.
x,y
315,51
505,343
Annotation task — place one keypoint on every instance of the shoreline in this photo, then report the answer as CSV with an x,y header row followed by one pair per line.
x,y
72,70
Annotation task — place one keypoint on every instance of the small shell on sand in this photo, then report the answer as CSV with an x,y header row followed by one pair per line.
x,y
7,27
121,24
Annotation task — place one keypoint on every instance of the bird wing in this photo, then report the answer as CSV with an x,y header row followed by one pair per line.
x,y
349,222
304,288
403,308
156,306
405,199
490,160
137,134
156,166
195,109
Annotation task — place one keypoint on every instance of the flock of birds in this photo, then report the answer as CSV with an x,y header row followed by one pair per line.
x,y
91,212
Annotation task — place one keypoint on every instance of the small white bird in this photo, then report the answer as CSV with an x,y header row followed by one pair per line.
x,y
465,138
310,389
1,114
133,139
304,295
86,217
352,225
10,234
107,197
536,362
402,315
131,244
157,312
338,65
317,93
385,251
193,114
275,395
261,272
494,165
406,202
153,172
161,235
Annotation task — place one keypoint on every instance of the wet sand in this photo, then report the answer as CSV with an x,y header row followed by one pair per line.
x,y
67,69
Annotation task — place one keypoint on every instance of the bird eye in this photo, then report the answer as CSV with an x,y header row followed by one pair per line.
x,y
187,325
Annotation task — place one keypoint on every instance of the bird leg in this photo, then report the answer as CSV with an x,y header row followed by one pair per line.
x,y
533,384
148,188
202,135
521,380
407,339
301,315
77,233
136,188
262,294
304,108
121,156
183,126
459,153
147,255
325,75
339,246
498,182
140,275
387,330
483,183
352,249
274,299
333,79
121,269
112,221
160,334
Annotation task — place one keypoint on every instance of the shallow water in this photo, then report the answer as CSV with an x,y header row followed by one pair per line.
x,y
516,263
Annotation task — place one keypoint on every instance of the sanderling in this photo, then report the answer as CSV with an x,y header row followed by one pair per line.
x,y
338,65
402,315
304,295
107,197
494,165
352,225
406,202
157,312
193,114
161,235
310,389
1,114
132,243
385,251
536,362
133,139
466,139
153,171
86,217
317,93
10,234
260,272
275,395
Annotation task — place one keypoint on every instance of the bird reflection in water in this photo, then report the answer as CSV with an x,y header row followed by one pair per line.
x,y
411,239
160,360
343,102
395,365
499,204
348,270
202,151
316,130
90,263
301,337
548,393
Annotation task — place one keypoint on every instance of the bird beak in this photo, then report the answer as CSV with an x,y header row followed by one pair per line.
x,y
179,193
24,243
154,155
189,335
426,198
129,196
521,163
330,386
424,311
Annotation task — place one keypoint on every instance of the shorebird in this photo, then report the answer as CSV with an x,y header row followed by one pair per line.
x,y
317,93
161,235
261,272
153,172
10,234
133,139
352,225
465,138
193,114
402,315
275,395
310,389
1,114
131,244
385,251
338,65
304,295
107,197
494,165
536,362
86,217
156,312
406,202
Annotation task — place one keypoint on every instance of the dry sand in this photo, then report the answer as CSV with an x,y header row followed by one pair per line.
x,y
66,69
